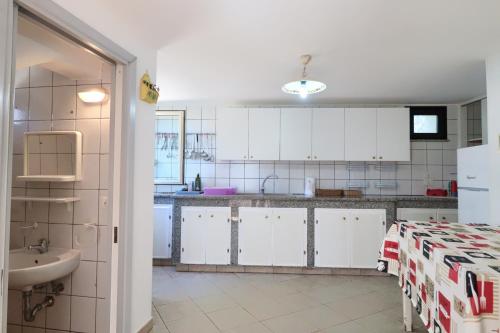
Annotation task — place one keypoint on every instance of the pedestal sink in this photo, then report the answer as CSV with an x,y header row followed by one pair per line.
x,y
30,268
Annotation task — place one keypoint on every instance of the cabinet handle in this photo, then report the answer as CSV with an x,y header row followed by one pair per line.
x,y
305,252
251,156
373,157
444,218
316,252
431,218
244,157
199,216
357,218
227,250
266,216
182,249
308,157
380,157
168,245
170,217
212,215
240,250
315,157
343,218
317,221
279,217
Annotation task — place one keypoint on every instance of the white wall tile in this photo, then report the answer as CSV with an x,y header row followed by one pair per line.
x,y
418,157
85,239
103,242
238,183
251,170
104,149
208,112
282,169
103,282
449,157
90,172
103,171
84,279
435,157
266,169
40,77
58,315
327,171
237,170
40,106
61,235
90,129
418,172
102,319
193,112
297,170
311,169
341,171
83,314
222,170
22,77
64,102
21,104
59,80
252,185
297,186
86,210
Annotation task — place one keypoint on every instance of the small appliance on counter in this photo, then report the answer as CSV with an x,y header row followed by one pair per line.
x,y
310,187
436,192
220,191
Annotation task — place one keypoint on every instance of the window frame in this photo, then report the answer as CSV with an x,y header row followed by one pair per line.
x,y
441,112
182,126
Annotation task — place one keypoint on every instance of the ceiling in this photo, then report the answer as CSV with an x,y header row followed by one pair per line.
x,y
36,45
391,51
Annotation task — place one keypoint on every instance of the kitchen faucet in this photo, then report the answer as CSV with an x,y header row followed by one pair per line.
x,y
262,188
41,247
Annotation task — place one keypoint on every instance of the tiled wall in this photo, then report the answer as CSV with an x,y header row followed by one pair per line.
x,y
47,101
436,159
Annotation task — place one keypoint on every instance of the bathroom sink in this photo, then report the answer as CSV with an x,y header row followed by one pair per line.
x,y
29,268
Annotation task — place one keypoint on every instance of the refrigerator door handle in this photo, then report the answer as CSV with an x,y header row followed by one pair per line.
x,y
475,189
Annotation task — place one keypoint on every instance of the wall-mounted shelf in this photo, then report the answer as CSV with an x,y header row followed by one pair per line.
x,y
48,178
57,200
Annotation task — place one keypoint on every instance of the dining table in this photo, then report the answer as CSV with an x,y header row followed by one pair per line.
x,y
449,272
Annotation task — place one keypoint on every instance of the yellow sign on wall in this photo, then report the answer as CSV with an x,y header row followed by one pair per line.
x,y
149,91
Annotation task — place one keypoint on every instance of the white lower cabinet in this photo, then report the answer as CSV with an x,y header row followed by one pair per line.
x,y
206,235
348,238
162,240
428,214
272,236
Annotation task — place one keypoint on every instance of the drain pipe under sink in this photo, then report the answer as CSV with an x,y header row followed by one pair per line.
x,y
30,313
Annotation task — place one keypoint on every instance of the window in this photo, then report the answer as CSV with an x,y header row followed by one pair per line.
x,y
169,147
428,123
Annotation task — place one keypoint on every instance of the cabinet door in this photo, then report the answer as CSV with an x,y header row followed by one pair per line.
x,y
417,214
192,236
393,134
449,215
361,134
289,236
264,134
328,142
218,235
255,236
331,242
232,134
367,233
162,231
295,143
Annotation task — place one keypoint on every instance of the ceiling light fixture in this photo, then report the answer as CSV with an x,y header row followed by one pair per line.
x,y
304,87
93,95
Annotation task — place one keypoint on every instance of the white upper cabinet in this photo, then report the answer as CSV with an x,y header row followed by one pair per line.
x,y
296,134
232,134
360,134
264,134
393,134
328,132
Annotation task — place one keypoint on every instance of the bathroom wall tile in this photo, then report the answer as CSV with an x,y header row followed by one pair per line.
x,y
104,149
90,172
103,243
58,316
103,207
61,235
84,279
64,102
18,129
21,104
22,77
90,129
85,239
63,125
83,314
60,80
102,319
37,211
103,282
18,208
16,235
103,171
40,77
86,210
40,107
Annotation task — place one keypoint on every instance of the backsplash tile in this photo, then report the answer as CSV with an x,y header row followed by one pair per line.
x,y
431,161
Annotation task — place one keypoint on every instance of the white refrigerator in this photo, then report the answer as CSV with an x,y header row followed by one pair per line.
x,y
473,185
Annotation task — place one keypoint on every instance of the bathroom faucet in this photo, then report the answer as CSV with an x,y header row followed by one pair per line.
x,y
262,188
41,247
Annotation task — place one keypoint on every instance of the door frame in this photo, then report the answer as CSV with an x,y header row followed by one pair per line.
x,y
122,132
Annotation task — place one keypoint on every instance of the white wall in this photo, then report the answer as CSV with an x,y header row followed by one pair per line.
x,y
433,157
493,92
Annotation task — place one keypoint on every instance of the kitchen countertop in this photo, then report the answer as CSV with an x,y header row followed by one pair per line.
x,y
298,197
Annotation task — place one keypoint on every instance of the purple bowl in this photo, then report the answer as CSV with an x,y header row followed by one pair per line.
x,y
220,191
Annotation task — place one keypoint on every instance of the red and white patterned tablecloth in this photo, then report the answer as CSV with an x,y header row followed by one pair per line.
x,y
449,271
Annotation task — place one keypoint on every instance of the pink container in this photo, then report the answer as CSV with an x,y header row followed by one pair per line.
x,y
219,191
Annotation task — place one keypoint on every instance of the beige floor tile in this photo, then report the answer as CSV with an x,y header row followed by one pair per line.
x,y
349,327
250,328
267,308
298,301
291,323
159,328
226,319
192,324
322,317
362,305
214,302
178,310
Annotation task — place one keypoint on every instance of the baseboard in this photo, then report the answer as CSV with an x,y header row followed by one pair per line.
x,y
148,327
278,270
162,262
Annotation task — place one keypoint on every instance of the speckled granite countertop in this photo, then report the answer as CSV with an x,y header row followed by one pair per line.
x,y
293,197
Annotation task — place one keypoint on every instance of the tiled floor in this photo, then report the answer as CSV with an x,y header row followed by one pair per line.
x,y
275,303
